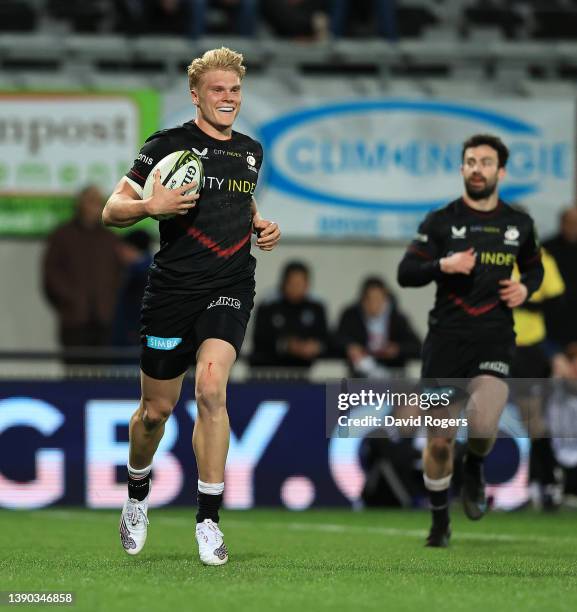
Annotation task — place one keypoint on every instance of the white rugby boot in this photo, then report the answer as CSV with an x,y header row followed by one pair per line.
x,y
134,525
211,546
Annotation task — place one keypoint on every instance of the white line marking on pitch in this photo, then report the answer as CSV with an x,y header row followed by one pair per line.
x,y
320,528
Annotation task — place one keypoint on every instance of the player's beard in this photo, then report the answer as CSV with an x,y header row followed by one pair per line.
x,y
481,193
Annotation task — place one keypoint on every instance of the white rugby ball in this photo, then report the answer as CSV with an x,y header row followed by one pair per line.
x,y
176,170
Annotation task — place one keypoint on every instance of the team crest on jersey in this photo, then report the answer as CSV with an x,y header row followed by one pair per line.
x,y
251,161
512,235
458,232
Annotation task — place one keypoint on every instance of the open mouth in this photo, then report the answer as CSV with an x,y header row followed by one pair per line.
x,y
225,109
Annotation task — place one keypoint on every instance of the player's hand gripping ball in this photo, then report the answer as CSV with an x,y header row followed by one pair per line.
x,y
177,169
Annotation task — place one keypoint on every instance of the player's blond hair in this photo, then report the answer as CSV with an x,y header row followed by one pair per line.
x,y
215,59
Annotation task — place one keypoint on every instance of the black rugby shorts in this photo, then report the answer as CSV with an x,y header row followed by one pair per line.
x,y
450,356
174,326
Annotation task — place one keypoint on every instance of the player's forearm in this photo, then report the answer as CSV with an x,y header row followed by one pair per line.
x,y
122,211
254,210
532,278
416,273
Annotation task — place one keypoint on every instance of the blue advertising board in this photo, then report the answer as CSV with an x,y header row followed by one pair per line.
x,y
67,443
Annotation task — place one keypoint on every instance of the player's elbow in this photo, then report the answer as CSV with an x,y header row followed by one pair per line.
x,y
402,280
108,218
404,277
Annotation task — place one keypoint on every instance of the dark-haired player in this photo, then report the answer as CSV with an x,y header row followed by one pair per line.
x,y
200,290
469,248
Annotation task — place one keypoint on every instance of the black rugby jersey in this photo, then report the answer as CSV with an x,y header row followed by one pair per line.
x,y
470,305
208,248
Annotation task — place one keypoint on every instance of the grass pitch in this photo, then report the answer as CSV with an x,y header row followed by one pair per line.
x,y
315,560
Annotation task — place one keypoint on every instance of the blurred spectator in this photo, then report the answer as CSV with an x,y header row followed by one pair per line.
x,y
82,272
157,17
136,254
374,334
17,16
187,17
240,16
89,16
561,414
291,330
534,360
298,19
535,357
361,18
562,323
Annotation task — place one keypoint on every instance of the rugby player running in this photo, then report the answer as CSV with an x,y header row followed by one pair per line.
x,y
469,248
200,290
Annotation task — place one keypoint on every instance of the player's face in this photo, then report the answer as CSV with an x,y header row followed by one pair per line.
x,y
481,172
218,98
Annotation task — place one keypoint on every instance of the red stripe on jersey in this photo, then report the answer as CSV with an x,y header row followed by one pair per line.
x,y
420,253
474,311
209,243
136,174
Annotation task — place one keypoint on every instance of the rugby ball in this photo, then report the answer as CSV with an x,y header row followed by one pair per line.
x,y
176,169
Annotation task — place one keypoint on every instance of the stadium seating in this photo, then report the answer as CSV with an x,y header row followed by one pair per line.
x,y
444,47
17,16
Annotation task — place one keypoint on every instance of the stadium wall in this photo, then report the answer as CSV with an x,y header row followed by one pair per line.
x,y
28,323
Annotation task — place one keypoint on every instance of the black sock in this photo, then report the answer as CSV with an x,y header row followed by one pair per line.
x,y
208,507
473,463
439,504
138,488
542,462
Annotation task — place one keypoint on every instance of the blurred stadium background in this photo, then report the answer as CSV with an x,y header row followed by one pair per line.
x,y
362,115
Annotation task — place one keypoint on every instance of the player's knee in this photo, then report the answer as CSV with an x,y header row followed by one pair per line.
x,y
155,412
210,391
439,449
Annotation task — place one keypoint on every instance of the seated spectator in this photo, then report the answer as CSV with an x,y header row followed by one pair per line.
x,y
187,17
291,330
374,334
297,19
562,322
168,16
157,17
82,272
363,18
240,16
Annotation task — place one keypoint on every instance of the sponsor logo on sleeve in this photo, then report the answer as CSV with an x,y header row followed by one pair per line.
x,y
145,159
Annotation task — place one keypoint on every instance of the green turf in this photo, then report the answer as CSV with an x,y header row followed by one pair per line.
x,y
317,560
